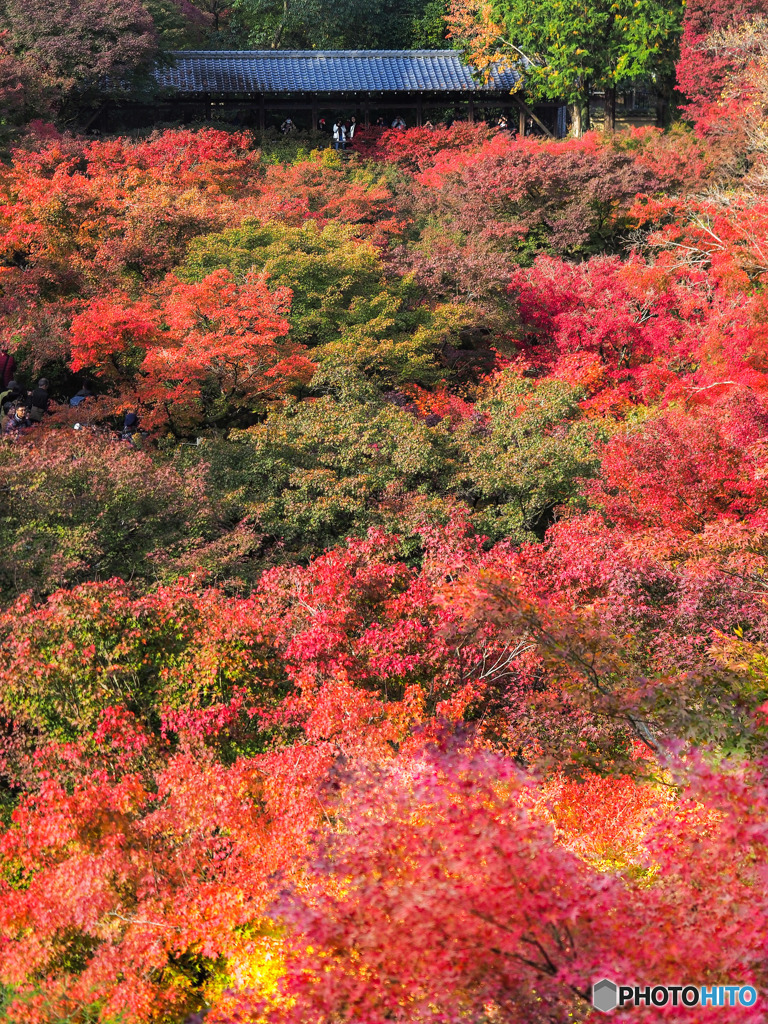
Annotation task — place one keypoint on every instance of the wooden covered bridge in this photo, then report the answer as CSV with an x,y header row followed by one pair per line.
x,y
260,88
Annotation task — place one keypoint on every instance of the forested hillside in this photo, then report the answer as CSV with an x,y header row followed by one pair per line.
x,y
384,630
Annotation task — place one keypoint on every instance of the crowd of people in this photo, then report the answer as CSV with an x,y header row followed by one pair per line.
x,y
342,130
21,410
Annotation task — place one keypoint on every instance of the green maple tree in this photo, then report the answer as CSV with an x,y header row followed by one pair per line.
x,y
571,47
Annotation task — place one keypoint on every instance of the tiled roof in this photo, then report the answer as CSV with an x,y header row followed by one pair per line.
x,y
271,71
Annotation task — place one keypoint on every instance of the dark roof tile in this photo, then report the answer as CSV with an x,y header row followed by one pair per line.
x,y
256,71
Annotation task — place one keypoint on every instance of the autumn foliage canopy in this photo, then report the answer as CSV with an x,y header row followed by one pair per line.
x,y
407,660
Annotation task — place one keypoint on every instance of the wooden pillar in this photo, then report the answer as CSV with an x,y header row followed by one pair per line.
x,y
367,111
521,123
419,112
207,101
262,112
525,110
471,109
315,112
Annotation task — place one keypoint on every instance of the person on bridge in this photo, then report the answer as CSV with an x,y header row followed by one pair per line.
x,y
339,134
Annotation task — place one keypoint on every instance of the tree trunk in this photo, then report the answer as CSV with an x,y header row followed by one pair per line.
x,y
281,27
609,123
664,90
579,112
661,110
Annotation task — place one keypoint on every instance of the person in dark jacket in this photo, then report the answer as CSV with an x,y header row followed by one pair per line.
x,y
38,401
17,423
11,396
130,431
7,367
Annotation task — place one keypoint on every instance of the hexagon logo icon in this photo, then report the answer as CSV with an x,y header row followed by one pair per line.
x,y
605,995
